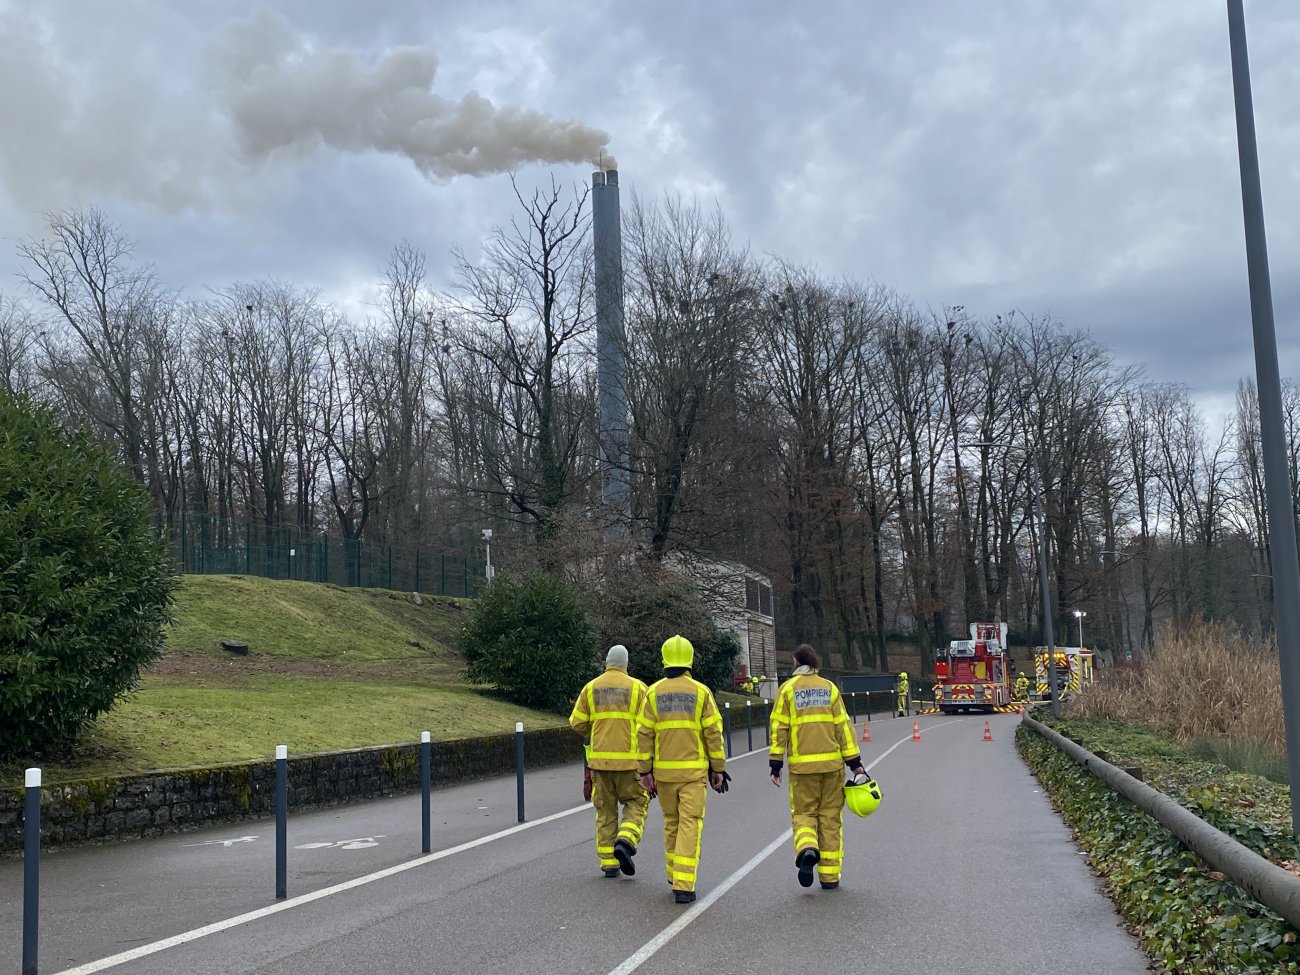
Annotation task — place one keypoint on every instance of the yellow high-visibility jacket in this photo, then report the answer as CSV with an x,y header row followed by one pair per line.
x,y
680,734
810,727
607,710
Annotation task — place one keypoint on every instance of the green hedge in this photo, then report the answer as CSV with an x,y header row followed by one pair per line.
x,y
1188,917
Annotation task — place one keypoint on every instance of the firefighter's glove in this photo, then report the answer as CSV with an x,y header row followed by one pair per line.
x,y
775,766
855,766
724,782
586,785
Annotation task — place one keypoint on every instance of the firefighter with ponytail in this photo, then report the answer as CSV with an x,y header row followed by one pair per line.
x,y
811,729
680,752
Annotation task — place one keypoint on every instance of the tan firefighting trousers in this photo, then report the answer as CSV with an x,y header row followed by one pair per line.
x,y
683,808
608,790
816,813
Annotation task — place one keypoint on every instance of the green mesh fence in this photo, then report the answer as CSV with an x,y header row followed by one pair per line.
x,y
212,546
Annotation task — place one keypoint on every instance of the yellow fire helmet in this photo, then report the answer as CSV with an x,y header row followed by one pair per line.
x,y
862,798
678,652
902,675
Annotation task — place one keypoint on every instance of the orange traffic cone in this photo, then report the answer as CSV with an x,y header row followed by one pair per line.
x,y
988,732
1022,710
916,731
866,731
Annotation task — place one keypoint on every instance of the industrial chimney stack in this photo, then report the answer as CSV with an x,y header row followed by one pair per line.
x,y
607,235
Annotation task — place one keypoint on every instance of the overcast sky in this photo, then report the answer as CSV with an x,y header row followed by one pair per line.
x,y
1071,159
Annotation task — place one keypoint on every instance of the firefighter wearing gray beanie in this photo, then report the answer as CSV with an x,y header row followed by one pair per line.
x,y
606,711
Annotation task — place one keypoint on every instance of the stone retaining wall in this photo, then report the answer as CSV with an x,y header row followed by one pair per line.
x,y
177,799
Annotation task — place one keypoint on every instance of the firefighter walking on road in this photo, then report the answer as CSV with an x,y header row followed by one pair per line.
x,y
607,711
901,689
680,745
1022,687
812,730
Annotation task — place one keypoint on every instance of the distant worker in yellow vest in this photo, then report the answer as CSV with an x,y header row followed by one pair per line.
x,y
1022,687
901,690
812,730
607,711
680,751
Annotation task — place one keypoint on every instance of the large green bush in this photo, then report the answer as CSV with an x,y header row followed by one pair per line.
x,y
641,607
532,639
85,586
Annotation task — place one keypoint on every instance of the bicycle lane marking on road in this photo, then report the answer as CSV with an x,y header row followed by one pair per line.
x,y
651,947
143,951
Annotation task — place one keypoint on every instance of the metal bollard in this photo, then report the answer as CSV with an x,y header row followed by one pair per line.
x,y
426,780
31,870
767,723
281,821
519,766
726,725
853,705
749,724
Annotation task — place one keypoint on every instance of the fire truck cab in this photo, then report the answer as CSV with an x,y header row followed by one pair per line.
x,y
974,674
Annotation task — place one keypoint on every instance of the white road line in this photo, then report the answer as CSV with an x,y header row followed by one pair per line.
x,y
218,926
648,950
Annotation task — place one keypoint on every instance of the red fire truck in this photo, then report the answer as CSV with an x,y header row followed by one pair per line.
x,y
974,674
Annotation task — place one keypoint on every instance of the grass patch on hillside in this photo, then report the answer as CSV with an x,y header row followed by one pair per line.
x,y
281,618
169,727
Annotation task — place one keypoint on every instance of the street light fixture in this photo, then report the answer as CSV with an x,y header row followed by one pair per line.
x,y
487,538
1079,614
1040,518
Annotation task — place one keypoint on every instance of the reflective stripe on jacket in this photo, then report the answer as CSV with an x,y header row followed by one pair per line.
x,y
607,710
810,724
680,735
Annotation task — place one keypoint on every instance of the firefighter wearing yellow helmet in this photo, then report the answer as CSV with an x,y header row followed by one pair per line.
x,y
679,741
811,728
607,711
1022,687
901,690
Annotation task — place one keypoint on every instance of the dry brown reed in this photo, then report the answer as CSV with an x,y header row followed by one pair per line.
x,y
1207,682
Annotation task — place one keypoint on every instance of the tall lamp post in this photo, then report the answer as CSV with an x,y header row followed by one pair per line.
x,y
1079,614
1285,565
487,539
1040,519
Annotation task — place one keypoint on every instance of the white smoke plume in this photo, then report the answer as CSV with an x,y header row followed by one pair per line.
x,y
76,128
283,94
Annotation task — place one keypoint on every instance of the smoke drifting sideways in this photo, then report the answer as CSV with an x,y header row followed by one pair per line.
x,y
285,96
200,138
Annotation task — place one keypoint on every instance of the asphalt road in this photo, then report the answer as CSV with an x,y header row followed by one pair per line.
x,y
964,869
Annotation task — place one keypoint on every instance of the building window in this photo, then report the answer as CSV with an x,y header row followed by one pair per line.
x,y
752,598
765,599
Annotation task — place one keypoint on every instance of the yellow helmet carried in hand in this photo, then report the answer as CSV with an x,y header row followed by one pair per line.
x,y
862,798
677,652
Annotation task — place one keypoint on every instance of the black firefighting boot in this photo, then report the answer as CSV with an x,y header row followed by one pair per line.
x,y
806,861
623,853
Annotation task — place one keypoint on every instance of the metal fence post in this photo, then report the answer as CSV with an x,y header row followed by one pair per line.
x,y
853,705
281,821
31,870
519,766
767,724
726,725
417,570
749,724
426,779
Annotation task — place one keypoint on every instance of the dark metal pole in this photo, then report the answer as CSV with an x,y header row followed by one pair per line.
x,y
1283,559
1040,512
31,870
426,780
749,724
767,723
519,766
853,705
281,821
726,725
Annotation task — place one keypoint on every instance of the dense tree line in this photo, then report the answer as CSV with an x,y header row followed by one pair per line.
x,y
879,458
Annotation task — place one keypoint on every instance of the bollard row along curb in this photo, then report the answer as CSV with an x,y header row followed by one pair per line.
x,y
174,800
1259,877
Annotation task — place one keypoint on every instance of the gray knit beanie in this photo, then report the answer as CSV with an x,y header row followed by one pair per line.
x,y
617,656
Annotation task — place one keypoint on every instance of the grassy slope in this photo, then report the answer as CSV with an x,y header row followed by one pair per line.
x,y
327,668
